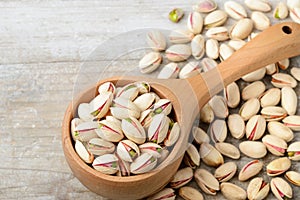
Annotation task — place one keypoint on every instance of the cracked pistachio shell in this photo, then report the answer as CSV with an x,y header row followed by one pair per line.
x,y
180,36
236,126
207,114
275,145
259,5
225,51
85,131
75,122
150,62
293,177
255,75
236,44
195,22
206,181
232,191
156,40
110,131
84,112
151,148
253,90
83,153
158,128
215,18
142,164
283,64
200,135
258,189
218,131
198,47
255,127
212,48
163,155
170,70
273,113
294,151
228,150
295,71
251,169
146,118
260,20
249,109
128,150
293,122
225,172
232,95
162,106
271,69
164,194
218,33
123,108
241,29
210,155
188,192
173,134
192,157
107,87
295,14
270,98
191,69
281,11
181,178
280,130
129,91
205,6
143,86
98,146
281,189
124,167
99,106
107,164
281,80
253,149
289,100
235,10
133,130
178,52
145,101
219,106
208,64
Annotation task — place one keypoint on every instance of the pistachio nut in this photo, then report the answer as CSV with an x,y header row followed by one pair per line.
x,y
85,131
280,130
218,33
294,151
225,172
219,106
293,3
189,193
150,62
128,150
74,123
241,29
218,131
281,80
236,44
255,127
133,130
200,135
273,113
176,15
270,98
107,87
293,122
109,131
99,106
235,10
293,177
180,36
236,126
255,75
251,169
212,48
260,20
206,181
158,128
170,70
253,149
192,157
124,167
259,5
210,155
191,69
195,22
83,152
253,35
178,52
215,18
98,146
173,134
164,194
271,69
253,90
181,178
295,14
228,150
156,40
275,145
232,191
295,71
225,51
205,6
129,91
258,189
283,64
142,164
143,86
107,164
289,100
145,101
207,114
208,64
162,106
163,155
281,11
84,112
249,109
146,118
198,48
123,108
151,148
281,189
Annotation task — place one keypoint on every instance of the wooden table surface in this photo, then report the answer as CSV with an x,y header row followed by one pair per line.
x,y
42,46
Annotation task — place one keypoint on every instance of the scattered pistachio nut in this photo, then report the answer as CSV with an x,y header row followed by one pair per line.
x,y
192,157
156,40
281,11
260,20
212,48
289,100
258,189
170,70
164,194
235,10
195,22
181,178
232,95
251,169
293,122
253,149
258,5
275,145
293,177
180,36
228,150
255,127
281,189
189,193
278,166
176,14
150,62
281,80
236,126
206,181
215,18
295,71
280,130
218,131
225,172
232,191
241,29
205,6
178,52
210,155
294,151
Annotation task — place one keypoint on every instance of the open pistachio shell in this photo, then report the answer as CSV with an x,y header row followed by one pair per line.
x,y
294,151
270,98
107,164
195,22
128,150
200,135
156,40
188,192
123,108
180,36
145,101
133,130
142,164
107,87
215,18
205,6
158,128
83,153
178,52
219,33
258,189
293,122
232,94
225,172
281,80
206,181
251,169
255,127
241,29
280,130
85,131
249,109
181,178
99,106
278,166
293,177
207,114
235,10
190,69
84,112
259,5
164,194
110,131
98,146
210,155
273,113
219,106
151,148
255,75
218,131
275,145
281,189
253,90
192,157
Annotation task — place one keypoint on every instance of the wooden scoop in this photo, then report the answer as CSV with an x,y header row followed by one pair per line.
x,y
187,96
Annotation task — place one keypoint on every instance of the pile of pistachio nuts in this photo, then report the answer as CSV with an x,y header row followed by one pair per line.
x,y
124,130
247,143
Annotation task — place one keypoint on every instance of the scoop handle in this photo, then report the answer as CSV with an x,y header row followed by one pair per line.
x,y
270,46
